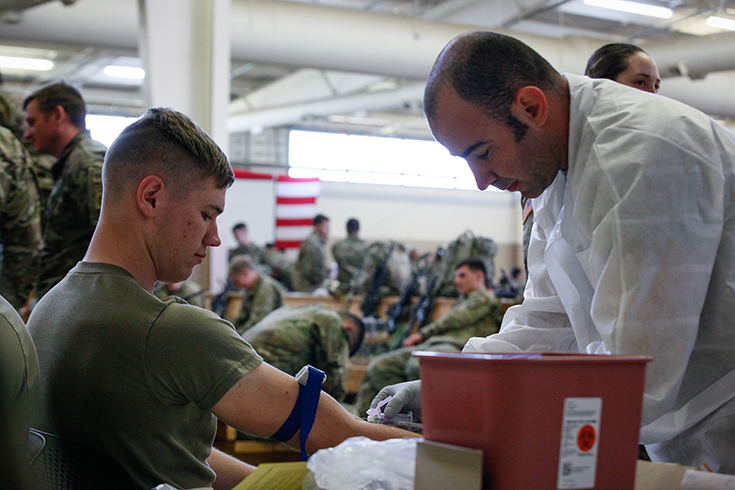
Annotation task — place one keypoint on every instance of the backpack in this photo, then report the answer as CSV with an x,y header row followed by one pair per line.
x,y
397,267
466,246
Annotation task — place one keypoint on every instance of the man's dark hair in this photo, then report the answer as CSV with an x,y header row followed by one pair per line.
x,y
358,333
353,226
167,143
611,60
319,219
487,69
475,265
239,226
63,94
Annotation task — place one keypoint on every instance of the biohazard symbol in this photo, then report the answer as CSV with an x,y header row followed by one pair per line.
x,y
586,438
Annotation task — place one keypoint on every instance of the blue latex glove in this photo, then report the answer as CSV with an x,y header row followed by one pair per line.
x,y
406,398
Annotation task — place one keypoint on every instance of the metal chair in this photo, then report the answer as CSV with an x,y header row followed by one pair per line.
x,y
62,464
36,443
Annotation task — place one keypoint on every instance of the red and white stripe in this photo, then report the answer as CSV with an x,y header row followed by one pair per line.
x,y
295,209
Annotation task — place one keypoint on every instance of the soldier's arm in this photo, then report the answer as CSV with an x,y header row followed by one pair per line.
x,y
262,400
474,308
94,193
313,264
86,180
21,226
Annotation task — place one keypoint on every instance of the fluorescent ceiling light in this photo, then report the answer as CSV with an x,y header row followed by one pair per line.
x,y
632,7
25,63
117,71
721,23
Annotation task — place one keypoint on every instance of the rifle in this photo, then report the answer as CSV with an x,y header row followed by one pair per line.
x,y
408,290
194,294
423,307
506,288
372,297
219,301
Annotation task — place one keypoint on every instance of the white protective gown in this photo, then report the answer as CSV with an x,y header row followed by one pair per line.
x,y
633,252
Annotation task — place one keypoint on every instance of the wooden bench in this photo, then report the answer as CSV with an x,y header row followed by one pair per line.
x,y
441,305
253,452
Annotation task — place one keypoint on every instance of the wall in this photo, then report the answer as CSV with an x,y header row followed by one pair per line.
x,y
425,218
418,217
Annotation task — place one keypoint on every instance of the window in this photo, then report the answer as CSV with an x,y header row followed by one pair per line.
x,y
376,160
106,128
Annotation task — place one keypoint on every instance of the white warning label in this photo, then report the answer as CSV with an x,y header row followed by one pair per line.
x,y
580,436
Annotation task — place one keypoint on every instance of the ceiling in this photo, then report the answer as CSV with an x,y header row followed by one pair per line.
x,y
359,65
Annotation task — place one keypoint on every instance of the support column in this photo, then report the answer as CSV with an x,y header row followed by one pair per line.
x,y
185,46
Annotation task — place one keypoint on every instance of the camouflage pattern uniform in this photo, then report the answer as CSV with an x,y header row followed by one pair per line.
x,y
397,271
265,296
291,337
72,210
188,290
20,221
256,253
311,266
13,117
280,268
11,112
478,314
349,254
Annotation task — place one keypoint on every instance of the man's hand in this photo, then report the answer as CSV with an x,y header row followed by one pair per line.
x,y
406,398
413,339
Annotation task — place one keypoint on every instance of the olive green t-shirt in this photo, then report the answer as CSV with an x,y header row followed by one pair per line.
x,y
134,376
18,381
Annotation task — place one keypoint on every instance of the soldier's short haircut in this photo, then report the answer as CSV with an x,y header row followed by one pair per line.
x,y
358,333
239,263
319,219
167,143
53,94
475,265
353,225
487,69
239,226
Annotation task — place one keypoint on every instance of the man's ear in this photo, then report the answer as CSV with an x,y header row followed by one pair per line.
x,y
149,192
531,106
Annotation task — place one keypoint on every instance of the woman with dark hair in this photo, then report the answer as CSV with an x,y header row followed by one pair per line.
x,y
625,63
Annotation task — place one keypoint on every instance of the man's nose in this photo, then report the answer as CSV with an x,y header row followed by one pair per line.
x,y
212,237
483,177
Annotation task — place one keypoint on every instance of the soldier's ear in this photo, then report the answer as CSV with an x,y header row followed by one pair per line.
x,y
150,190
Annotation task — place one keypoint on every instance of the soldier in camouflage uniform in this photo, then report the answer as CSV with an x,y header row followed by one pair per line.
x,y
349,254
311,267
188,290
476,313
11,111
55,125
20,221
292,337
245,246
12,117
261,294
280,268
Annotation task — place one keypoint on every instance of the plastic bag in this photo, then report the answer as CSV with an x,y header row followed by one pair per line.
x,y
360,463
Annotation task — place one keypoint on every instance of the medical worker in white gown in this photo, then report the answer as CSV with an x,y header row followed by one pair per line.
x,y
633,246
